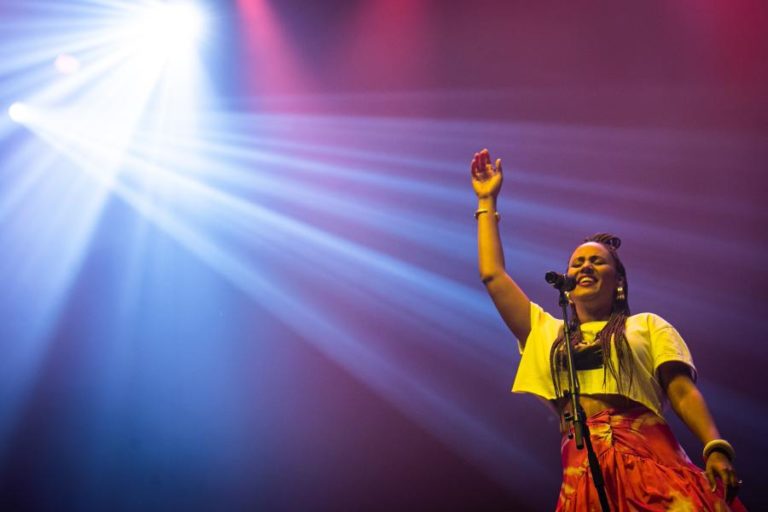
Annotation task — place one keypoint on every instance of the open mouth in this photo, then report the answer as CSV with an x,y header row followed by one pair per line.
x,y
586,281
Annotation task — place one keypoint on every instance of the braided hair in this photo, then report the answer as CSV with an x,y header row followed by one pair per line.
x,y
613,330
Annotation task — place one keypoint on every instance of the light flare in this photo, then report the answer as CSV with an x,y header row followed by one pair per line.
x,y
19,112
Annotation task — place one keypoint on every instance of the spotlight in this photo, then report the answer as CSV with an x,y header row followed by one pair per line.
x,y
19,112
171,27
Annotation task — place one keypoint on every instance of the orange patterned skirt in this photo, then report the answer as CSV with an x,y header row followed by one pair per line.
x,y
645,468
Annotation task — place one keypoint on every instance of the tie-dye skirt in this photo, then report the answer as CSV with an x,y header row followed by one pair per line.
x,y
645,468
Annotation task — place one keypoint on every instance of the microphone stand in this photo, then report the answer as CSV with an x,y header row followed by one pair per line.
x,y
576,416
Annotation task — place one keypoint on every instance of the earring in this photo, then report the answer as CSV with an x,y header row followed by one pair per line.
x,y
568,297
620,296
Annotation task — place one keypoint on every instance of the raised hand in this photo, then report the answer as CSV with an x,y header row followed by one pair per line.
x,y
486,177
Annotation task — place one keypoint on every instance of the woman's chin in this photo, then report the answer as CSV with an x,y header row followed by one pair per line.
x,y
584,294
591,298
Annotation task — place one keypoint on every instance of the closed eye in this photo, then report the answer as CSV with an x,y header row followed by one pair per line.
x,y
595,260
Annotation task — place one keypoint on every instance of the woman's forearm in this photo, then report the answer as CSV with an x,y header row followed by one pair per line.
x,y
490,252
689,404
511,302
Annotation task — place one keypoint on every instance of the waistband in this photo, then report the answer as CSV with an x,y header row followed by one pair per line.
x,y
633,418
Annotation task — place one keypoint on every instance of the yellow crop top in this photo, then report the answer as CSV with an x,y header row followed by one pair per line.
x,y
652,339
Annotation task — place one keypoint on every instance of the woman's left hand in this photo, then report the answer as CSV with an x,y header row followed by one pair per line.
x,y
719,466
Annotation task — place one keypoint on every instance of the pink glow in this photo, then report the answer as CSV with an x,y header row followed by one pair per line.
x,y
389,40
729,35
272,63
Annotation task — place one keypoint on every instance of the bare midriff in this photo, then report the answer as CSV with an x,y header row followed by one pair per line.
x,y
594,404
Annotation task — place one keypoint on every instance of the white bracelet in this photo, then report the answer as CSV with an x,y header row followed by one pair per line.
x,y
719,445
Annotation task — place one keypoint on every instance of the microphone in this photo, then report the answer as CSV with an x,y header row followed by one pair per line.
x,y
561,282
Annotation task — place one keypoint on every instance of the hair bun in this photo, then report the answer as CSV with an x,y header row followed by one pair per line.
x,y
607,239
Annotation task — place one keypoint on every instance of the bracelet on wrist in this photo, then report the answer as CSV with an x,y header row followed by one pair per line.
x,y
481,211
719,445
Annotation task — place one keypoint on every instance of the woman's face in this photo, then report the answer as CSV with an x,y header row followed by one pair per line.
x,y
594,269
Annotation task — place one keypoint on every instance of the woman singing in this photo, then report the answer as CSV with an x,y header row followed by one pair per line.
x,y
628,367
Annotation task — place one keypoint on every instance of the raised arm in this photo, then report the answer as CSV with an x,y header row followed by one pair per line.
x,y
511,302
688,403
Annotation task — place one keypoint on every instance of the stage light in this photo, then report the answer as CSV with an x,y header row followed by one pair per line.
x,y
169,28
18,112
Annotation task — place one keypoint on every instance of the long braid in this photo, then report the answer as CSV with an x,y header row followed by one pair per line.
x,y
613,330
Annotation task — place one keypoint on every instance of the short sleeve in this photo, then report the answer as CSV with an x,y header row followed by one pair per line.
x,y
533,373
667,345
541,323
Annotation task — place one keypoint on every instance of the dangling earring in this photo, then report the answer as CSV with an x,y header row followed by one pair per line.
x,y
620,296
568,297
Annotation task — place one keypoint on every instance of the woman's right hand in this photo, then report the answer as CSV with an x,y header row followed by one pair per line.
x,y
486,178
